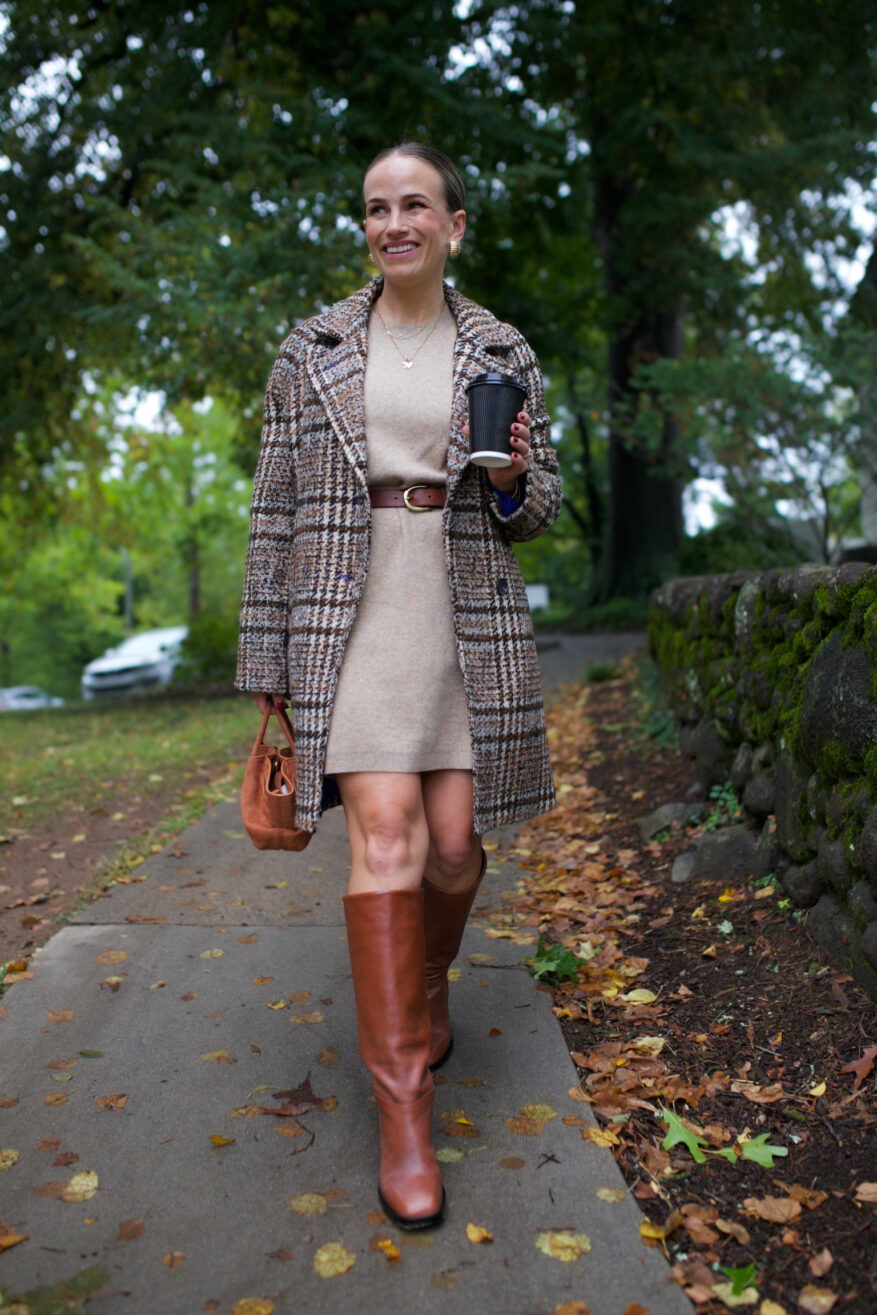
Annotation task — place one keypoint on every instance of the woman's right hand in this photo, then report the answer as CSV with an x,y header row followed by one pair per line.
x,y
263,701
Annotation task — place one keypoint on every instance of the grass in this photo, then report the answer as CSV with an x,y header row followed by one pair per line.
x,y
56,760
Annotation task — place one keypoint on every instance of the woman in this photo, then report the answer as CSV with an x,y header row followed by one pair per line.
x,y
383,599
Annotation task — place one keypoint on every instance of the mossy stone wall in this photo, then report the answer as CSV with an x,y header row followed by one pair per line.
x,y
773,679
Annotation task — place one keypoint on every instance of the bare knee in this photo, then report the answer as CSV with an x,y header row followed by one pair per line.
x,y
391,842
455,856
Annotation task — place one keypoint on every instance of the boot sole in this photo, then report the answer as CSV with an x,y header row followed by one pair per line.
x,y
444,1059
408,1224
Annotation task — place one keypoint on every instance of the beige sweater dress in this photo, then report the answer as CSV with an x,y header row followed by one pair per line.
x,y
400,704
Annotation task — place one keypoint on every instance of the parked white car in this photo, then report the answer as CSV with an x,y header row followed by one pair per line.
x,y
19,698
142,661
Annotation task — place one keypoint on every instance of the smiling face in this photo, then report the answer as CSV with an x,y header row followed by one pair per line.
x,y
407,222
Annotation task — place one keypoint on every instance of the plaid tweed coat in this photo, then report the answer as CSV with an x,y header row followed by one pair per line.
x,y
309,550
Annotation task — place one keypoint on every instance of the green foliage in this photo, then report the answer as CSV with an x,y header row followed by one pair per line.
x,y
600,671
741,1279
553,963
755,1149
210,650
681,1133
740,541
725,807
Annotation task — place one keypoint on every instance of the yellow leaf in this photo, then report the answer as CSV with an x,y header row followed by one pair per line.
x,y
9,1237
252,1306
600,1136
173,1259
818,1090
118,1101
476,1233
277,1004
728,895
333,1259
648,1045
728,1297
769,1307
639,997
216,1054
448,1155
8,1158
564,1245
309,1203
390,1250
307,1019
212,954
611,1194
111,956
219,1140
81,1187
454,974
709,953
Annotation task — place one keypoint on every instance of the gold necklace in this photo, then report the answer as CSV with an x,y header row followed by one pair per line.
x,y
408,361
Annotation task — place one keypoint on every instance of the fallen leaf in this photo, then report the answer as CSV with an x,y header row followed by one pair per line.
x,y
212,954
60,1015
512,1162
611,1194
48,1143
818,1090
769,1307
820,1264
653,1233
476,1233
8,1158
390,1250
816,1301
728,1297
862,1067
157,986
573,1308
737,1231
867,1192
773,1209
328,1057
218,1139
444,1279
333,1259
10,1238
81,1187
639,997
247,940
129,1229
564,1245
116,1102
65,1158
58,1098
91,1054
252,1306
809,1197
600,1136
307,1020
173,1259
299,997
219,1056
449,1155
309,1203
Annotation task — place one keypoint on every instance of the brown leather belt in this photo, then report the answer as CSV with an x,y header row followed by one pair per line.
x,y
417,497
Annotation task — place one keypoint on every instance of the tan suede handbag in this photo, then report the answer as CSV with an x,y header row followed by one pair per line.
x,y
268,791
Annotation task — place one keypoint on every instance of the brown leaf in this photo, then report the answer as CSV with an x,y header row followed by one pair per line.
x,y
111,956
820,1265
48,1144
58,1098
173,1259
809,1197
862,1067
737,1231
816,1301
129,1229
329,1056
247,940
773,1209
512,1162
67,1157
9,1102
115,1102
60,1015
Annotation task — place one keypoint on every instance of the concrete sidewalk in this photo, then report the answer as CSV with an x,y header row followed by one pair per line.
x,y
160,998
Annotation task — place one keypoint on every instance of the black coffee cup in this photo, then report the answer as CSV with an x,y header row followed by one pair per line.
x,y
494,402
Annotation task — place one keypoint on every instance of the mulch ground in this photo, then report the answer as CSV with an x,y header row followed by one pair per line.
x,y
710,1001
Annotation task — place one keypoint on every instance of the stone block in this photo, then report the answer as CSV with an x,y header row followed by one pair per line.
x,y
836,932
832,863
790,791
726,855
803,883
713,755
869,944
759,796
862,904
661,819
741,768
838,707
868,843
767,852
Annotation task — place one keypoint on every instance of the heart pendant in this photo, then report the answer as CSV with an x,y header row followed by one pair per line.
x,y
408,364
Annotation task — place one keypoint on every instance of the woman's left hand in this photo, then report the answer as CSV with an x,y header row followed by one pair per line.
x,y
506,477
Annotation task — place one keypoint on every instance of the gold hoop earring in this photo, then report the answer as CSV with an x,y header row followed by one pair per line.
x,y
454,247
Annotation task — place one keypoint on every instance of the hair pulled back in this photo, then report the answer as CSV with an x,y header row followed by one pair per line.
x,y
452,184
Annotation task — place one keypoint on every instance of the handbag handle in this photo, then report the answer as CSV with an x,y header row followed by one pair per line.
x,y
284,722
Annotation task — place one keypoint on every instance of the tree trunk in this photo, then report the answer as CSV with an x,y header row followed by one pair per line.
x,y
644,525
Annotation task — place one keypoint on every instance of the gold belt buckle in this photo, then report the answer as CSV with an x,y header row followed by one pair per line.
x,y
410,505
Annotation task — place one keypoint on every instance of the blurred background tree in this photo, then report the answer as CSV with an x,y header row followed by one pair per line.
x,y
665,197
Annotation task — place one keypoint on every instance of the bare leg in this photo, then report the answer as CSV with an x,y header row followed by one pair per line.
x,y
387,830
454,859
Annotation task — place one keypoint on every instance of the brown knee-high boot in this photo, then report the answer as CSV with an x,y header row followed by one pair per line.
x,y
385,939
444,916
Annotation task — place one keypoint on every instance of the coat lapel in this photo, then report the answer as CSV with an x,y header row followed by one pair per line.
x,y
336,366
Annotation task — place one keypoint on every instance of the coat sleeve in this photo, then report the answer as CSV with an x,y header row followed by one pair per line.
x,y
262,642
542,498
